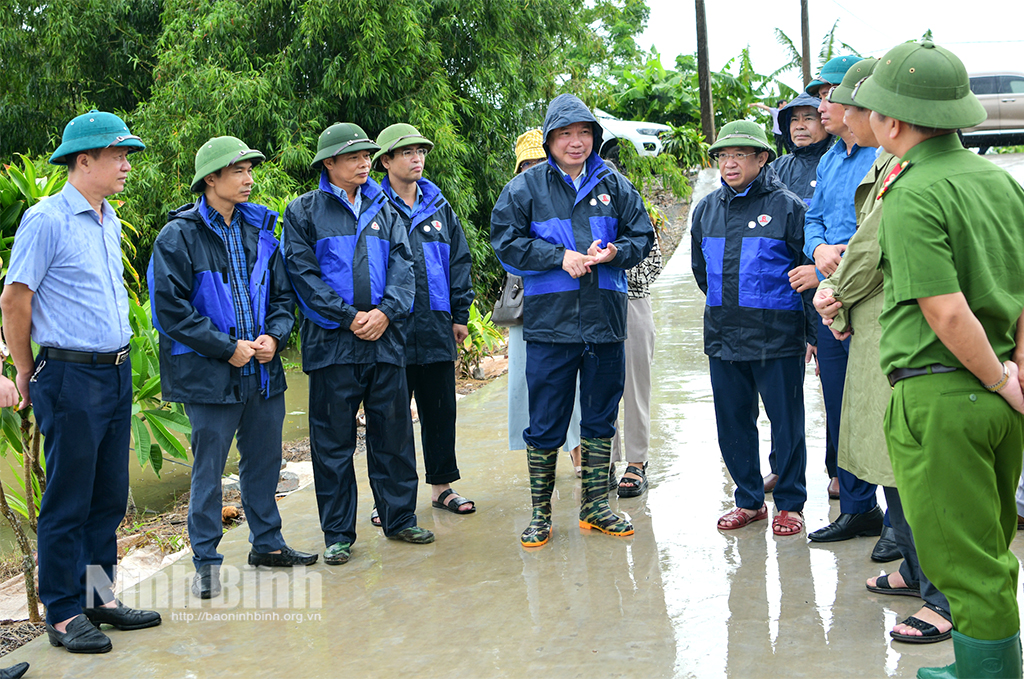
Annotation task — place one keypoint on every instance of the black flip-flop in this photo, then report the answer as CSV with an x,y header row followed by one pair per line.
x,y
929,632
882,587
454,504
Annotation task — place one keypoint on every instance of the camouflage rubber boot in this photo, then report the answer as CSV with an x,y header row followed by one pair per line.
x,y
542,483
595,513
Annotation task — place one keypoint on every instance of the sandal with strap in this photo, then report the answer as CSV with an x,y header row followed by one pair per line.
x,y
738,518
453,504
788,523
375,517
882,586
638,486
929,632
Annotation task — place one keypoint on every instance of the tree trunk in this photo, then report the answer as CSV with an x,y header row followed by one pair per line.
x,y
37,469
707,118
26,459
28,558
805,32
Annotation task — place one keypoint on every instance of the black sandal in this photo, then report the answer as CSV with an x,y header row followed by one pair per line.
x,y
639,487
375,517
453,504
929,632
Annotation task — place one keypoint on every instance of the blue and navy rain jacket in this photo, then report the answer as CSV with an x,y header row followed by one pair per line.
x,y
441,264
540,214
190,295
743,247
340,264
798,169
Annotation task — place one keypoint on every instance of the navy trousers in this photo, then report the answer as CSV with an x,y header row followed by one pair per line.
x,y
855,496
551,371
433,385
84,412
335,393
779,381
257,422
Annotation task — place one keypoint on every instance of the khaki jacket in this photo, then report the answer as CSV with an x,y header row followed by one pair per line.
x,y
857,283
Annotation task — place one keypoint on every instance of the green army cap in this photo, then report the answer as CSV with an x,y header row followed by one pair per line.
x,y
218,153
843,94
94,130
923,84
341,138
743,133
832,72
395,137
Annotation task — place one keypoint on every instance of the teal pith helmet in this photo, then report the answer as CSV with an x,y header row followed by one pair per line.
x,y
832,72
94,130
743,133
395,137
218,153
341,138
923,84
843,94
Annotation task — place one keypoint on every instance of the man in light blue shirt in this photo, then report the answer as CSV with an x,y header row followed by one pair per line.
x,y
65,290
829,225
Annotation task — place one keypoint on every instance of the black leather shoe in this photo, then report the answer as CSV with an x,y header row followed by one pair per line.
x,y
15,672
206,583
886,549
122,617
288,557
81,637
847,526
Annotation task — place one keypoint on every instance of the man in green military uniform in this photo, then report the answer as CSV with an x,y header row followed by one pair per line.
x,y
953,265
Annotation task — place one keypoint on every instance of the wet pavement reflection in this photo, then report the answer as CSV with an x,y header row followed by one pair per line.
x,y
677,599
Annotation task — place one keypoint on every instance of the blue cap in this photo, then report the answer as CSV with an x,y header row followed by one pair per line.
x,y
832,73
94,130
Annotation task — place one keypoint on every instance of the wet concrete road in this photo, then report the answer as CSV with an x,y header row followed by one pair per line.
x,y
677,599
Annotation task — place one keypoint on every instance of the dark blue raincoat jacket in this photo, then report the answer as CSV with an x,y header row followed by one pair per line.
x,y
190,295
540,213
743,247
340,264
441,264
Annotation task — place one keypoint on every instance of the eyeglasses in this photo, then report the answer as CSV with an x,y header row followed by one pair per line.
x,y
723,157
409,153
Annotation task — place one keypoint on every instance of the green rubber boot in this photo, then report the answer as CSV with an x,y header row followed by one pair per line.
x,y
595,513
542,483
980,659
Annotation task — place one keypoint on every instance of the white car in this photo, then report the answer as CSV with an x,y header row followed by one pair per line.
x,y
646,137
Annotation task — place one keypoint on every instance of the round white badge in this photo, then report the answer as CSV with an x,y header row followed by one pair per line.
x,y
593,201
814,182
751,225
427,228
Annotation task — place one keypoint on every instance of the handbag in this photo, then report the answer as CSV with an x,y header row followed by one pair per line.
x,y
508,310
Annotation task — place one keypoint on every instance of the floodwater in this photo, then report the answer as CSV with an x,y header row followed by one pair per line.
x,y
677,599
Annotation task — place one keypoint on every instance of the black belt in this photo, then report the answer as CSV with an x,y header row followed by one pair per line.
x,y
903,373
112,358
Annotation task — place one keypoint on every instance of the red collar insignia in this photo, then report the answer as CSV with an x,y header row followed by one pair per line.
x,y
891,177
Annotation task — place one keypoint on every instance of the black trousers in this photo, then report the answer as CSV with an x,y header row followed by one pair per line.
x,y
433,385
335,393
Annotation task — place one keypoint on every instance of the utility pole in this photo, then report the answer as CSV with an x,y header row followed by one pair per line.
x,y
707,120
805,31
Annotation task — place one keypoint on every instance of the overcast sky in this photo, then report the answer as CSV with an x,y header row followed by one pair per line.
x,y
986,35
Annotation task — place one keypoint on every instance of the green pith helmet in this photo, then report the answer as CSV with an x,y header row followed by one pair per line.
x,y
844,93
395,137
218,153
743,133
341,138
923,84
832,72
94,130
